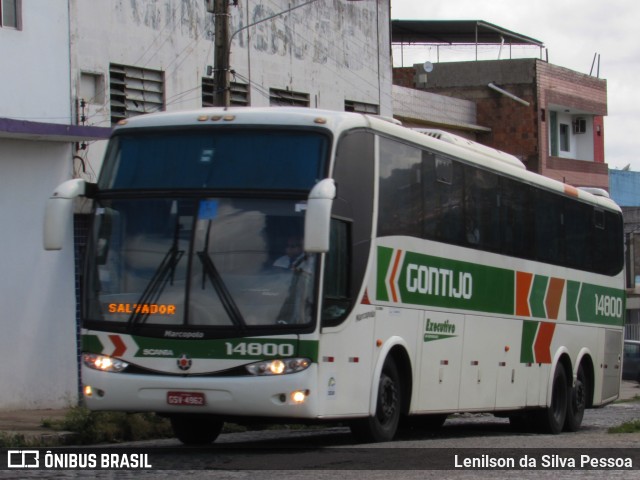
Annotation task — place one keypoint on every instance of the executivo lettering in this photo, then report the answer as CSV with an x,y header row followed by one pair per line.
x,y
439,282
440,327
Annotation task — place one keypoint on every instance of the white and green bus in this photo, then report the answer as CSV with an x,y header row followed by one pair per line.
x,y
303,265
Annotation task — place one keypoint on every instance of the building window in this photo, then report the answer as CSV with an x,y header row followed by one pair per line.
x,y
284,98
564,137
134,91
11,13
361,107
239,95
91,88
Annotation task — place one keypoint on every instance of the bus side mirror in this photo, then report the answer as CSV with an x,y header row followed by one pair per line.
x,y
58,211
317,218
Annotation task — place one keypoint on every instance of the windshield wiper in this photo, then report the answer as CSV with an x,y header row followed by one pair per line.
x,y
228,303
211,272
163,274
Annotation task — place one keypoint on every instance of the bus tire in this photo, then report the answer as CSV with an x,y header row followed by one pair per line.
x,y
577,402
196,429
552,418
382,426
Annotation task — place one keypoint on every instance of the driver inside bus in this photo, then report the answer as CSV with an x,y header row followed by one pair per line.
x,y
296,306
295,258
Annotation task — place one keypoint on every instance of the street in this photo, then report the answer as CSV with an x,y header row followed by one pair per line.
x,y
331,453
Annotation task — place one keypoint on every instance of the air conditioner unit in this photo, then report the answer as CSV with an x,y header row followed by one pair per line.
x,y
580,125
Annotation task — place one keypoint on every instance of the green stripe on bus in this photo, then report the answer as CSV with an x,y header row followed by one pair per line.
x,y
537,297
601,305
440,282
573,290
384,260
92,344
529,330
250,348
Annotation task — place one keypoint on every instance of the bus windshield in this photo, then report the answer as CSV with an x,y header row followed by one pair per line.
x,y
228,263
245,159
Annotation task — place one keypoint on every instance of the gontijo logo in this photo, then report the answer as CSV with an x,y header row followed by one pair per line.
x,y
439,281
418,279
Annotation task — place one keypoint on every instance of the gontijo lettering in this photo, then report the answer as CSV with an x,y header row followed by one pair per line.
x,y
439,281
144,308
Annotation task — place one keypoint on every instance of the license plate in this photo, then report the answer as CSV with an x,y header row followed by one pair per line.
x,y
188,399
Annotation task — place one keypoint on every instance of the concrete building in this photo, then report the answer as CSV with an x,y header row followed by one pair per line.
x,y
79,66
548,116
37,136
624,187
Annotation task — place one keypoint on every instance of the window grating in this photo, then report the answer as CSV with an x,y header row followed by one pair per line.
x,y
288,98
239,95
134,91
361,107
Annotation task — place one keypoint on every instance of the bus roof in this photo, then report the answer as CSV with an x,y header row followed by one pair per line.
x,y
338,122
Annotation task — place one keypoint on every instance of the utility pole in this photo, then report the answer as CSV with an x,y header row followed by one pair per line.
x,y
221,69
221,59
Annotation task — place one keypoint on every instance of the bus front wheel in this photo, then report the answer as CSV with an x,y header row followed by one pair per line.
x,y
196,429
382,426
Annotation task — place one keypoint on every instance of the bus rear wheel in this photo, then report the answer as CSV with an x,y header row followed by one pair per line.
x,y
196,429
577,402
553,417
382,426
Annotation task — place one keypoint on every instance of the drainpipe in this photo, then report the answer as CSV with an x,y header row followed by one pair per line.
x,y
510,95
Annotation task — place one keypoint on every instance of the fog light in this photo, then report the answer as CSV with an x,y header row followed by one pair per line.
x,y
88,391
299,396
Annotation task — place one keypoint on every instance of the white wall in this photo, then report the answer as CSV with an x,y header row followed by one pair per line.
x,y
333,50
35,64
37,318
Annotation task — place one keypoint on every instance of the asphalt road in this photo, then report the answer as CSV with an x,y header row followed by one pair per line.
x,y
331,453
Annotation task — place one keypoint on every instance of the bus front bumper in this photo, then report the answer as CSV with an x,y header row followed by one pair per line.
x,y
286,396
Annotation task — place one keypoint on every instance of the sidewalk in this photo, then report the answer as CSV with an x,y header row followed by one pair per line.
x,y
29,423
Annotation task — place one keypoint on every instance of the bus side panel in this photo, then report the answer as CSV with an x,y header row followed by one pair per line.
x,y
346,360
484,358
537,375
440,362
513,375
612,364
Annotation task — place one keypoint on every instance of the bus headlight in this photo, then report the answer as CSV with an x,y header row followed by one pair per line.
x,y
278,366
103,363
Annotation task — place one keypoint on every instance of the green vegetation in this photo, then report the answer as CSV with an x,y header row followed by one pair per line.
x,y
84,427
14,441
636,398
91,428
627,427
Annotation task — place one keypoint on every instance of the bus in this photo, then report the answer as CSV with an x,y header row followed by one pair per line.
x,y
300,265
